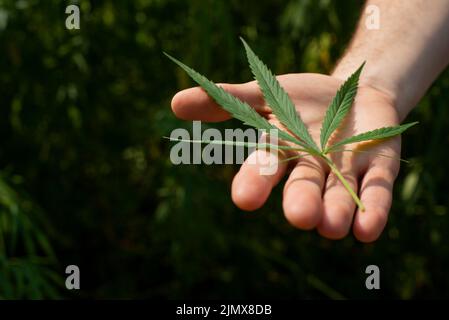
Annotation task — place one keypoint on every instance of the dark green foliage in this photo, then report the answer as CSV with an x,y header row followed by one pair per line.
x,y
82,117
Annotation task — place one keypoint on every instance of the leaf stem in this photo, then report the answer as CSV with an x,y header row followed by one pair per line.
x,y
345,183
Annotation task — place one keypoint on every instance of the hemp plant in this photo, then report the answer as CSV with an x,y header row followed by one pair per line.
x,y
297,136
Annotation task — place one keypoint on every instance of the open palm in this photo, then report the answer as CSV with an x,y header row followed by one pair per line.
x,y
313,196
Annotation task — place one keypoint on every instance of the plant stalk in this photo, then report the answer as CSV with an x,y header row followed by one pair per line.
x,y
345,183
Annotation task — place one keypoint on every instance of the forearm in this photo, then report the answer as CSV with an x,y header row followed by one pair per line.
x,y
406,54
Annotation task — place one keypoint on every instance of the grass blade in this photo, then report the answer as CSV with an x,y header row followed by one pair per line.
x,y
381,133
276,97
339,107
237,108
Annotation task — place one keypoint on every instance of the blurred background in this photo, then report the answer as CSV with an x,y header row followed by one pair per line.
x,y
86,179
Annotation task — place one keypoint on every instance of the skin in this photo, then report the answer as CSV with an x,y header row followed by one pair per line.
x,y
313,197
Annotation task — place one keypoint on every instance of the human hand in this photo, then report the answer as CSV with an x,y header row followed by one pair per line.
x,y
313,196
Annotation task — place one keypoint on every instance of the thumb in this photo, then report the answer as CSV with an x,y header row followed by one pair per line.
x,y
195,104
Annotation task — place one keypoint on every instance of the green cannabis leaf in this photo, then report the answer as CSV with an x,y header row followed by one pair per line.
x,y
276,97
237,108
238,144
284,110
381,133
340,106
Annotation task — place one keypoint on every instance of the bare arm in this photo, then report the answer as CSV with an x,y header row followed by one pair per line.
x,y
406,53
403,57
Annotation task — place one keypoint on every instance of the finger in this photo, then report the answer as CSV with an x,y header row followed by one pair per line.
x,y
257,176
376,194
302,194
338,206
195,104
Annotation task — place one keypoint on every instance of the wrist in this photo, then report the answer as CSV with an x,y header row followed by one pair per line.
x,y
378,80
